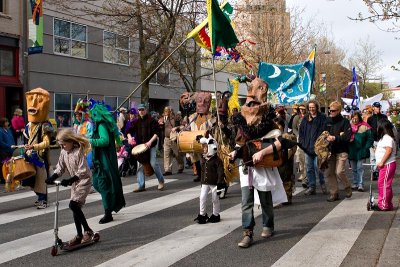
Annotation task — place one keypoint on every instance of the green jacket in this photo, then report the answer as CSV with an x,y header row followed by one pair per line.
x,y
359,147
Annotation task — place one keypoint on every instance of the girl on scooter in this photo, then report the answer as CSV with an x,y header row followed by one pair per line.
x,y
74,148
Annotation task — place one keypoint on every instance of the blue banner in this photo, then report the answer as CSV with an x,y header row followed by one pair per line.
x,y
288,84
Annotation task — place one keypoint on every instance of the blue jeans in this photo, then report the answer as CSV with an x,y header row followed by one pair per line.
x,y
312,171
154,164
358,172
248,205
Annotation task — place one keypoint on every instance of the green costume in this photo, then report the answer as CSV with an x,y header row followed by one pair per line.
x,y
106,178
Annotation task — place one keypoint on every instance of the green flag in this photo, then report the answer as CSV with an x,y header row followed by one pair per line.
x,y
219,27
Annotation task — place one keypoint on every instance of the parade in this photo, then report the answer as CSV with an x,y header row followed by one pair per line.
x,y
126,178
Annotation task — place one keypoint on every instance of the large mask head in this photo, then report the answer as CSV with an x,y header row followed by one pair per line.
x,y
37,103
187,103
203,102
256,102
222,102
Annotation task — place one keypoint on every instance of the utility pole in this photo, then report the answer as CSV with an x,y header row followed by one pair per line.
x,y
25,38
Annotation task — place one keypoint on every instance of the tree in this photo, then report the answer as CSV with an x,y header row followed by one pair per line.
x,y
366,59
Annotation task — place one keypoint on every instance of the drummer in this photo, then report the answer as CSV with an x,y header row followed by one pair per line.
x,y
200,120
6,141
38,132
147,132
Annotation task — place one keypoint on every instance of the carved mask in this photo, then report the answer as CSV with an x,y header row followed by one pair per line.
x,y
222,102
256,102
38,103
203,102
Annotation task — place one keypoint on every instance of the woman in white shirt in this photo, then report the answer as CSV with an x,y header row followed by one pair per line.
x,y
385,155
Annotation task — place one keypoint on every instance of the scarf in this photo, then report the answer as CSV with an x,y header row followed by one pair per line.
x,y
355,127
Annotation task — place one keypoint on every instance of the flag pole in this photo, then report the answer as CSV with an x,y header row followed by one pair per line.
x,y
216,100
150,75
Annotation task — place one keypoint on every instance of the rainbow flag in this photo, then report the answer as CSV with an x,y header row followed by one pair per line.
x,y
216,30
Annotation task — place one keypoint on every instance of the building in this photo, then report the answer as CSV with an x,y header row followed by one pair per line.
x,y
11,82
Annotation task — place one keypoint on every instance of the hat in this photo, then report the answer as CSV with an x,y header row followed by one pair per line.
x,y
133,111
377,104
141,106
18,112
122,109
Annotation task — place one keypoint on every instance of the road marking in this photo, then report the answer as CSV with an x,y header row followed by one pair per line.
x,y
30,244
328,242
182,243
63,204
30,193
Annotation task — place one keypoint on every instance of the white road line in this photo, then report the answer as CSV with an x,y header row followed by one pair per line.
x,y
13,197
182,243
30,244
63,204
328,242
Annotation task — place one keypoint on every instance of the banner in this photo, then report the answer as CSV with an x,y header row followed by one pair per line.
x,y
289,84
35,26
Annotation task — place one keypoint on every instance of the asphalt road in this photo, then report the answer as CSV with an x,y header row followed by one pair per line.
x,y
156,228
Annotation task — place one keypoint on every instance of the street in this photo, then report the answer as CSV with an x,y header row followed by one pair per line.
x,y
156,228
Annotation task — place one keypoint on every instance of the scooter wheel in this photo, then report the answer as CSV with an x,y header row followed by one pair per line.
x,y
368,206
96,237
54,251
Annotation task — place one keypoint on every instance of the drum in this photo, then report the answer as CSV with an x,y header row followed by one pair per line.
x,y
21,168
142,155
187,141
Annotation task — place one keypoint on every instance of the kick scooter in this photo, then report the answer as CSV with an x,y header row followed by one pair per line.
x,y
58,243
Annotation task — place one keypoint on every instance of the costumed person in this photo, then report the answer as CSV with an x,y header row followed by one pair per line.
x,y
121,119
106,178
18,124
385,156
38,132
212,179
74,148
85,125
201,120
168,125
147,132
254,122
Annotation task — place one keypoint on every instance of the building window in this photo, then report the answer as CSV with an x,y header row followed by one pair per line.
x,y
1,6
116,48
70,38
62,110
163,75
7,62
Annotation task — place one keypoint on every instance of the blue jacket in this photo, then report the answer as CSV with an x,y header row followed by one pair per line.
x,y
309,131
6,140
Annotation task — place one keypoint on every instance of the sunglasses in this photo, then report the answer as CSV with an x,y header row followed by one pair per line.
x,y
332,110
141,109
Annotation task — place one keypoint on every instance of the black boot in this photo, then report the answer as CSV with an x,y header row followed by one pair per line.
x,y
201,219
107,217
214,219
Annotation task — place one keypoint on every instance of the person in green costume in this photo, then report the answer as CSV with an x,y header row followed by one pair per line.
x,y
106,179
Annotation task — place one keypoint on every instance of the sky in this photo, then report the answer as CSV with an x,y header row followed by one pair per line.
x,y
346,33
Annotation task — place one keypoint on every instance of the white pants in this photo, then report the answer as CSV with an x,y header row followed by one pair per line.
x,y
205,188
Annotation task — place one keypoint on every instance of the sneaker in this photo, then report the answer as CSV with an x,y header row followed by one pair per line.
x,y
161,186
354,187
139,190
310,191
42,205
323,189
36,203
214,219
360,188
201,219
333,198
247,239
87,236
266,233
349,192
75,241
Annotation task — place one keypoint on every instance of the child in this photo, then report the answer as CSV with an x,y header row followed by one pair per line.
x,y
385,155
74,148
212,178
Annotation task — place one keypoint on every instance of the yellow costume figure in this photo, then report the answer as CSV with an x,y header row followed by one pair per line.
x,y
38,132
